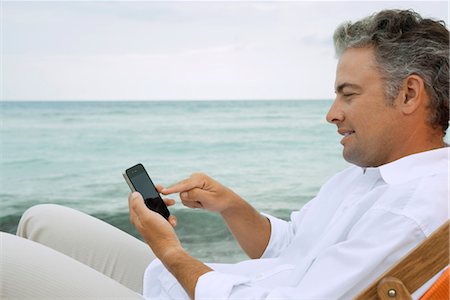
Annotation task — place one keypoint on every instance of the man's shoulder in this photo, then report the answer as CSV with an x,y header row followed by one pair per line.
x,y
423,199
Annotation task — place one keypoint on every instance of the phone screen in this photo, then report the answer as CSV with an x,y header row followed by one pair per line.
x,y
142,183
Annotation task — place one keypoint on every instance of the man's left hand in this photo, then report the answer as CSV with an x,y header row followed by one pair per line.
x,y
157,231
160,236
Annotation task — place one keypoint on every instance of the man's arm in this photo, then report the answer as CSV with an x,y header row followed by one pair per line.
x,y
251,229
162,239
186,269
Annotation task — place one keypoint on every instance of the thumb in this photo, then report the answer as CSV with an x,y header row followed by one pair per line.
x,y
136,203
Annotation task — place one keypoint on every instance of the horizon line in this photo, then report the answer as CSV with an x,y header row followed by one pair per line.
x,y
160,100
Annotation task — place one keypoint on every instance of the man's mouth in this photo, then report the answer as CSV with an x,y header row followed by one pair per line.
x,y
346,133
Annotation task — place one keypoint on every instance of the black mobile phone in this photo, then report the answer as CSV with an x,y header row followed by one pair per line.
x,y
139,181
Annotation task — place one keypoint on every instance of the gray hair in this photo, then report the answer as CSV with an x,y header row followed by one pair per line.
x,y
405,44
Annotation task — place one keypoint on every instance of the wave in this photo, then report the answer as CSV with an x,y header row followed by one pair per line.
x,y
27,161
193,226
9,223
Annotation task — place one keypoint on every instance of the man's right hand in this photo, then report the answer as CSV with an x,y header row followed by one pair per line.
x,y
251,229
201,191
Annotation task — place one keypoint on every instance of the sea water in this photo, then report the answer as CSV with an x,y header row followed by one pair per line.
x,y
275,154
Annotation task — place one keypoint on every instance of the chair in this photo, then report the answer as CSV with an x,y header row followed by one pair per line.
x,y
414,270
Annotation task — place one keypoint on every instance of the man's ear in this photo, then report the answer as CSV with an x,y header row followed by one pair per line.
x,y
413,94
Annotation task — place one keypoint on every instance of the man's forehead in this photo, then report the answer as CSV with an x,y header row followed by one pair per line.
x,y
357,58
354,65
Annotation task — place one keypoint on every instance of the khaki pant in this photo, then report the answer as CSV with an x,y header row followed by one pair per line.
x,y
62,253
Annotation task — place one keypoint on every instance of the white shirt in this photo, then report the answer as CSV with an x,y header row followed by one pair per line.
x,y
359,224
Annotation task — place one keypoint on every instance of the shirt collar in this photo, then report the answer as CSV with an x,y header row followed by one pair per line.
x,y
414,166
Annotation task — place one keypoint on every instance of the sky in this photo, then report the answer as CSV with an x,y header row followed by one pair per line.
x,y
177,50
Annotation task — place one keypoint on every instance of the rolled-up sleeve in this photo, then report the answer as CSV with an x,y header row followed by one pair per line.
x,y
282,232
280,236
217,285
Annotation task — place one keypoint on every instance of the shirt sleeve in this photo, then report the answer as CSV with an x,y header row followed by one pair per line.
x,y
280,236
283,232
217,285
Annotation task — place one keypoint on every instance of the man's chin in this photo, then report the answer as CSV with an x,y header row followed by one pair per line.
x,y
359,160
354,158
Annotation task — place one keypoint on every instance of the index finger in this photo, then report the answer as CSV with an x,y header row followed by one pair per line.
x,y
185,185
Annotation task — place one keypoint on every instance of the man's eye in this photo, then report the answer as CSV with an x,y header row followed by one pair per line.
x,y
348,94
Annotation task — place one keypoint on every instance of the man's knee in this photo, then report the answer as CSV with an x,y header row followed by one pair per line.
x,y
39,218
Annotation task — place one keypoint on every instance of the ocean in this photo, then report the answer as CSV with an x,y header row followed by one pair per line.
x,y
275,154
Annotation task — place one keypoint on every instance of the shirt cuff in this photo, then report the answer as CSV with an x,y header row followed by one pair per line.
x,y
278,236
217,285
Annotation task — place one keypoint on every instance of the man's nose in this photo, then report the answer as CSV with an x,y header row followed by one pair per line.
x,y
335,114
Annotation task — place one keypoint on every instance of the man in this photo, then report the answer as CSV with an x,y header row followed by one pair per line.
x,y
391,108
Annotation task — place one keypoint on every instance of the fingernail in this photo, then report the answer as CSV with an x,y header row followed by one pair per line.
x,y
184,194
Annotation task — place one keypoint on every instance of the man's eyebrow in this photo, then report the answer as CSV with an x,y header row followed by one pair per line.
x,y
340,87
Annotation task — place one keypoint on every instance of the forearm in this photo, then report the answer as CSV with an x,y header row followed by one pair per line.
x,y
186,269
251,229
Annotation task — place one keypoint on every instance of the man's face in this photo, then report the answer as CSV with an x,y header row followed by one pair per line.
x,y
369,126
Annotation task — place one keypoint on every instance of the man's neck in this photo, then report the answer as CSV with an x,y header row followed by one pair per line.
x,y
420,140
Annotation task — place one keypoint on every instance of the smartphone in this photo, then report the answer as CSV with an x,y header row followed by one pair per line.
x,y
139,181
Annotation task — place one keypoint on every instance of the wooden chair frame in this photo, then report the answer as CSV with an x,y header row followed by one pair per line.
x,y
413,270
